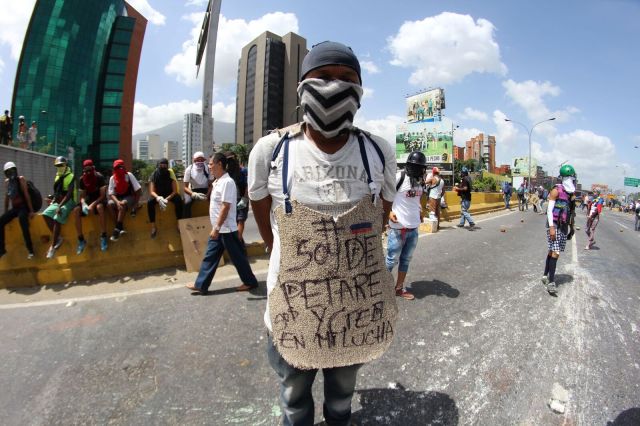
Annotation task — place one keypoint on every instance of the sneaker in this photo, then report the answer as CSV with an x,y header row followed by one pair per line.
x,y
122,232
401,292
545,280
471,225
115,235
51,252
552,288
133,212
31,256
81,245
58,243
587,247
103,243
460,225
2,253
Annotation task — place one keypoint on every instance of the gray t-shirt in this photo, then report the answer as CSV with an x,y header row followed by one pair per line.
x,y
329,183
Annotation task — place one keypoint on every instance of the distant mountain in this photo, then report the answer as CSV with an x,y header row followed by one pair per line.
x,y
222,133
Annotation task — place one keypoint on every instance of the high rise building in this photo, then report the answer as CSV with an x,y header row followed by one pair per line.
x,y
191,136
77,77
171,151
142,150
268,76
458,153
156,147
482,148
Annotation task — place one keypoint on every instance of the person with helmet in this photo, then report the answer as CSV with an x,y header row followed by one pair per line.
x,y
124,192
21,206
61,203
405,218
93,199
197,182
435,191
463,189
314,187
560,212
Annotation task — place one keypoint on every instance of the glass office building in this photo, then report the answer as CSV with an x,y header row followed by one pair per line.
x,y
77,75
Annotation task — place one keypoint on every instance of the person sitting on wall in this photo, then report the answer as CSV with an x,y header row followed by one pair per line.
x,y
124,192
93,199
162,189
61,203
21,207
197,182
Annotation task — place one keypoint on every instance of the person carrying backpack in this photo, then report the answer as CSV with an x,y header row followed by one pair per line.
x,y
21,207
124,192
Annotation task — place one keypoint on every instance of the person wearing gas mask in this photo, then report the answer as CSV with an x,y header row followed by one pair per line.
x,y
321,192
62,202
124,192
21,207
197,182
405,218
162,190
93,199
560,215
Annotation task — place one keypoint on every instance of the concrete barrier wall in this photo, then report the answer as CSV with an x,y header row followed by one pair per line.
x,y
35,166
135,252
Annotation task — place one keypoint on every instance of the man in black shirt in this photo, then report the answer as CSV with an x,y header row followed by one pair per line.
x,y
93,198
464,192
162,188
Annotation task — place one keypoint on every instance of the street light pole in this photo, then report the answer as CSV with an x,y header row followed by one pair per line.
x,y
530,132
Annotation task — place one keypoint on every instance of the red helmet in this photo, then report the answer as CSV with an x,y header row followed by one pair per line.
x,y
435,171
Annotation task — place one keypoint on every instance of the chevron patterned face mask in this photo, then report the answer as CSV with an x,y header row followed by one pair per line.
x,y
329,106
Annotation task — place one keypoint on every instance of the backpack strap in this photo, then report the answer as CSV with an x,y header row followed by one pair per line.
x,y
365,161
375,145
399,184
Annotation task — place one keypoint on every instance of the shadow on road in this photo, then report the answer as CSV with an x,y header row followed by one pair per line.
x,y
562,279
402,407
630,417
422,289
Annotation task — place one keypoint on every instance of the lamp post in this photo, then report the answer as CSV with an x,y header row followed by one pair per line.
x,y
530,132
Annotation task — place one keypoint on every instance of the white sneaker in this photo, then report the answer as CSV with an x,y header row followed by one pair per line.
x,y
51,252
58,243
30,256
545,280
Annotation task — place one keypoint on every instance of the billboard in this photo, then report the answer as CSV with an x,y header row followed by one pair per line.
x,y
426,106
519,167
433,139
602,188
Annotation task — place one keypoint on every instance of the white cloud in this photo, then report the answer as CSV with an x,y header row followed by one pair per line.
x,y
367,92
369,67
147,118
197,3
462,134
233,35
14,21
529,95
590,154
1,66
443,49
473,114
384,127
148,11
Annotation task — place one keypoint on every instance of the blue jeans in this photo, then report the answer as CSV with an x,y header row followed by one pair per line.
x,y
400,246
215,248
295,391
507,200
464,212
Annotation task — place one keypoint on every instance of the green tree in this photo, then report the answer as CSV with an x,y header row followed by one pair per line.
x,y
178,169
136,168
242,152
146,172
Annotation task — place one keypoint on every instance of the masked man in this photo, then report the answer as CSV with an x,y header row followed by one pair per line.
x,y
93,199
320,193
124,192
197,182
593,218
405,218
560,213
61,202
162,190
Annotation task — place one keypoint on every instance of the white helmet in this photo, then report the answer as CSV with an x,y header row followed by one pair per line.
x,y
9,165
198,154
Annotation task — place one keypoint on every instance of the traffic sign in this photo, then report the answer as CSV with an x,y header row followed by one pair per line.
x,y
631,181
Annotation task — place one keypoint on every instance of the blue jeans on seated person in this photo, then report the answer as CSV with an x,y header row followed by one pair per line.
x,y
211,260
400,246
295,391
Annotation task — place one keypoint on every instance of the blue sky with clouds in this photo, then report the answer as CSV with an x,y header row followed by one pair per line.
x,y
576,60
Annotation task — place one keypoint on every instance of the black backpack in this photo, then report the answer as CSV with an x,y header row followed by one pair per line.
x,y
35,195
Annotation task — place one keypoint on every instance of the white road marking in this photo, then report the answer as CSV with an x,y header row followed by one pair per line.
x,y
574,251
72,301
624,226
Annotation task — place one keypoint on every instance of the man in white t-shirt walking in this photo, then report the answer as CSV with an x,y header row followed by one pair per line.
x,y
405,218
224,235
435,187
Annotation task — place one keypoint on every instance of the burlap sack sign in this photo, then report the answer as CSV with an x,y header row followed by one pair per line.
x,y
334,303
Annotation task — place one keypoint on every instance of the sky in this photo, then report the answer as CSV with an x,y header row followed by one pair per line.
x,y
575,60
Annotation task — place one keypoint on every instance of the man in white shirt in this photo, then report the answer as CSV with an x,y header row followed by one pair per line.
x,y
405,218
224,235
321,178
